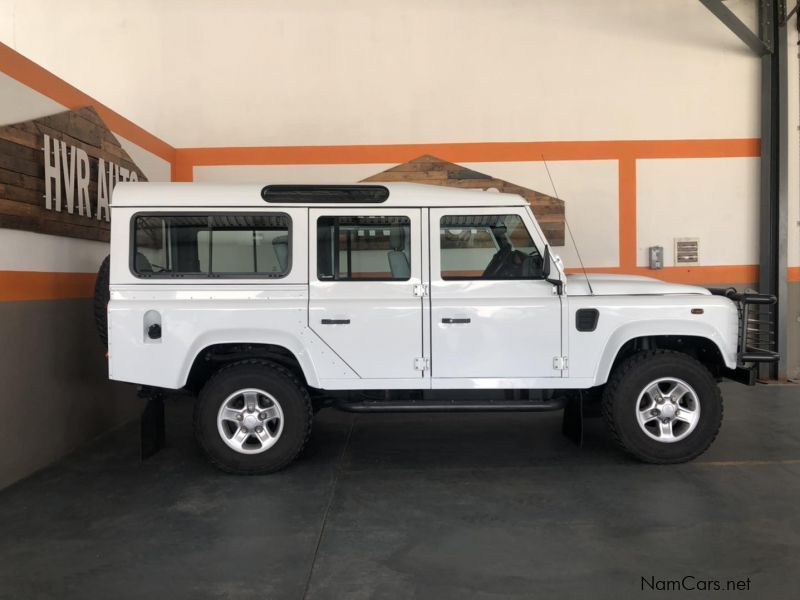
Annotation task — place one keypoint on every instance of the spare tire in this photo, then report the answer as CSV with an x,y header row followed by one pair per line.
x,y
102,295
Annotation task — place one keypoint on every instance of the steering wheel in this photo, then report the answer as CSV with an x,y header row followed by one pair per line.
x,y
495,266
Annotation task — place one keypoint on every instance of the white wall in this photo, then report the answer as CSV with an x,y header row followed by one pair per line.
x,y
590,192
20,103
288,173
154,167
281,72
709,198
29,251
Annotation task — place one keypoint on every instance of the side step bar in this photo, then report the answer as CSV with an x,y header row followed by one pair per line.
x,y
410,406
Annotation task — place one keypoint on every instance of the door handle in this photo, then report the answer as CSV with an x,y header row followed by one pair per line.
x,y
336,321
452,321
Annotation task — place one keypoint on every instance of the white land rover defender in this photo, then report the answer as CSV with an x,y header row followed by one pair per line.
x,y
270,302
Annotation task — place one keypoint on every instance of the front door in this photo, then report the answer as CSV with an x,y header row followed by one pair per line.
x,y
492,314
365,299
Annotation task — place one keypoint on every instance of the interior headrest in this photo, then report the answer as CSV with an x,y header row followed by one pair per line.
x,y
397,238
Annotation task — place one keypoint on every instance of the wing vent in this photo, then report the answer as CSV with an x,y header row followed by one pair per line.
x,y
586,319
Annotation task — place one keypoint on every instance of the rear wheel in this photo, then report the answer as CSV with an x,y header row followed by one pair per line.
x,y
663,407
252,417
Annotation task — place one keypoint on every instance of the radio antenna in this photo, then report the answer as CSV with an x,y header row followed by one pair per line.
x,y
569,229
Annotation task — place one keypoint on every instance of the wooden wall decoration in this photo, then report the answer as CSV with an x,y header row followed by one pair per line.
x,y
57,174
431,170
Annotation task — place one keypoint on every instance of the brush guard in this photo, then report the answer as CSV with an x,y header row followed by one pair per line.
x,y
756,342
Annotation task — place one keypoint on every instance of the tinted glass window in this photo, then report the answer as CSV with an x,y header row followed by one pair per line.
x,y
250,244
487,247
364,248
211,245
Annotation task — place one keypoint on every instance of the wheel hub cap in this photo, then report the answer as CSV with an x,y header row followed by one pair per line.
x,y
668,410
250,421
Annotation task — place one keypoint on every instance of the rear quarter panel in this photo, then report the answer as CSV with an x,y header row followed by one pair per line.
x,y
195,317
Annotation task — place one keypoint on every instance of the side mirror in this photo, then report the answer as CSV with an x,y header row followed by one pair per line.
x,y
546,271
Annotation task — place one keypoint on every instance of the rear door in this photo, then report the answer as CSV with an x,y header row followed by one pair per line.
x,y
492,314
365,298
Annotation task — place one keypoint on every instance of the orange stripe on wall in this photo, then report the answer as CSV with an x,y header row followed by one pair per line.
x,y
793,274
35,285
470,152
182,170
27,72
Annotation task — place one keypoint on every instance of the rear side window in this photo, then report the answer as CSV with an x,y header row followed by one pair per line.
x,y
364,248
196,246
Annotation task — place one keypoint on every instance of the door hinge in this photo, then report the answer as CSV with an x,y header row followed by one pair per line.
x,y
422,364
559,363
421,290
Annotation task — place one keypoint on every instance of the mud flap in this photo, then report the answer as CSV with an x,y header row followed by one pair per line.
x,y
572,424
151,424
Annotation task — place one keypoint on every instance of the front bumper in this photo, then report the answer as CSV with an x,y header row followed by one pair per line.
x,y
756,333
743,375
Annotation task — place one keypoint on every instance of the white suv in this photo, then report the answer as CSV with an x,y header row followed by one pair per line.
x,y
272,302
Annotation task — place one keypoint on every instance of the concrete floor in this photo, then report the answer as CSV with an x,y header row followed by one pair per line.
x,y
469,506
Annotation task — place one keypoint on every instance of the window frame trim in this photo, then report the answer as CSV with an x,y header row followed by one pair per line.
x,y
209,276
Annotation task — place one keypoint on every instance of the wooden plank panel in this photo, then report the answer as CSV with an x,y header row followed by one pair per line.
x,y
22,168
20,136
21,180
19,165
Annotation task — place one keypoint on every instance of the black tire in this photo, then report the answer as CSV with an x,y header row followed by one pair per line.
x,y
629,380
273,379
101,297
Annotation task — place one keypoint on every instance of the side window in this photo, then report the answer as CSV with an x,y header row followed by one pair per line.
x,y
216,245
247,244
168,244
364,248
487,247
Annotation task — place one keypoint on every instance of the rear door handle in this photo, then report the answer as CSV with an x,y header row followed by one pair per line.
x,y
336,321
452,321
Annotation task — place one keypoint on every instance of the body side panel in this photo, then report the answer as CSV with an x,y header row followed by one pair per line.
x,y
193,318
622,318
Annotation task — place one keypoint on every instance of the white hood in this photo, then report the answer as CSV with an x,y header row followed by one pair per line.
x,y
626,285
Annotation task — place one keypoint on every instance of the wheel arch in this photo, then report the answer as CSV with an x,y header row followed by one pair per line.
x,y
211,355
701,341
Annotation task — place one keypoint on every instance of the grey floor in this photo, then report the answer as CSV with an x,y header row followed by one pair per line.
x,y
471,506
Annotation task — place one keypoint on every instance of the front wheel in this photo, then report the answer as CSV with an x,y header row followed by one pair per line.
x,y
663,407
252,417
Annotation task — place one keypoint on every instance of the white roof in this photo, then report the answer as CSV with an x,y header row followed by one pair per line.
x,y
165,195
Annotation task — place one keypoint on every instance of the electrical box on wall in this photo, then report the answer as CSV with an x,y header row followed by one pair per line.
x,y
656,257
687,251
